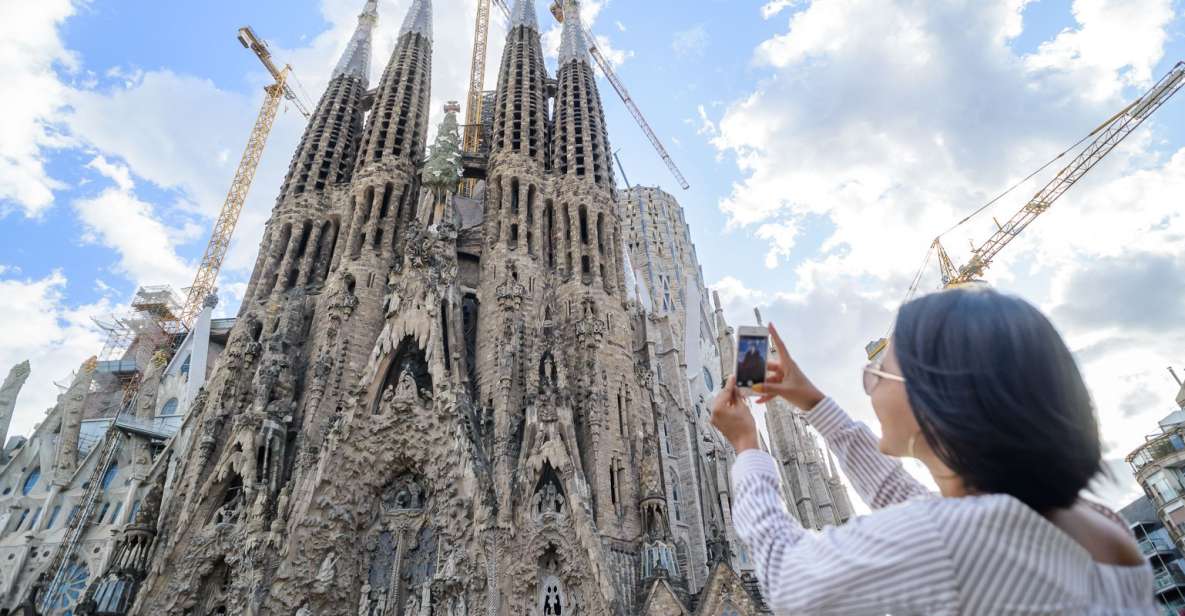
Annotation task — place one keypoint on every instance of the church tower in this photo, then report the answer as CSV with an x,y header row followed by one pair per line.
x,y
247,425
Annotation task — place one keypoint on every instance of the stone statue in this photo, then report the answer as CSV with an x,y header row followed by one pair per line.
x,y
328,571
407,389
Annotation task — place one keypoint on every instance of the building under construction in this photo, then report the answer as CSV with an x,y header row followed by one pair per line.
x,y
466,379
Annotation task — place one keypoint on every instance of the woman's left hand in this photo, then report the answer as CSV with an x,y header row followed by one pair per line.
x,y
731,416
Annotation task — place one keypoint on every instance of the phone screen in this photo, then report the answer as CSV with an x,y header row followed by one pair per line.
x,y
751,355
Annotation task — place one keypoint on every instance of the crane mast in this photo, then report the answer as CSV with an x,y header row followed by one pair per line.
x,y
1110,134
228,216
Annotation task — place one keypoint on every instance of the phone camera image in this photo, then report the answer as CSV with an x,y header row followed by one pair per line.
x,y
752,352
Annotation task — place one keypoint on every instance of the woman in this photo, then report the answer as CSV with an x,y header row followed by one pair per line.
x,y
980,388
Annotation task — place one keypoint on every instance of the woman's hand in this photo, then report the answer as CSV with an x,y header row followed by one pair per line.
x,y
784,378
731,416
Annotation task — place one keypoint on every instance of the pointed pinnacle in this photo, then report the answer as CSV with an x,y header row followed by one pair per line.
x,y
418,20
355,61
573,44
524,14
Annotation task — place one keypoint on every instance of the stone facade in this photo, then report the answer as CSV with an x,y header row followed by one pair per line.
x,y
60,478
434,404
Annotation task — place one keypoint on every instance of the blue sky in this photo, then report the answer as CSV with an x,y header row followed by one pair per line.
x,y
826,142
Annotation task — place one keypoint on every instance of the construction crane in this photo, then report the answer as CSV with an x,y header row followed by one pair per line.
x,y
471,139
557,11
228,217
1107,136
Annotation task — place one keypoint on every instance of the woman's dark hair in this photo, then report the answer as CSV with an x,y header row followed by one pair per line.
x,y
998,396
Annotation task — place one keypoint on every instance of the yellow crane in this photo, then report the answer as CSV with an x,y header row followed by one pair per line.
x,y
472,137
228,217
1108,135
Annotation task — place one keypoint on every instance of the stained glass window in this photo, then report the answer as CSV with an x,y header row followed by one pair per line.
x,y
109,476
71,589
31,481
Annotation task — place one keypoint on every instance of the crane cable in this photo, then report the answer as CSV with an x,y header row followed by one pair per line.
x,y
1015,186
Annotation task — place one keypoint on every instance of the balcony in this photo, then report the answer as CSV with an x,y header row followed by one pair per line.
x,y
1164,449
1168,580
1156,545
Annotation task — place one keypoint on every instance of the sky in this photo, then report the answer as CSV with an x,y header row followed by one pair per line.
x,y
827,142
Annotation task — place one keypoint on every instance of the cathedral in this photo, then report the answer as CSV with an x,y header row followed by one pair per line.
x,y
429,403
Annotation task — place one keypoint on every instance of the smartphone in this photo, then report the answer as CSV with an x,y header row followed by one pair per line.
x,y
752,353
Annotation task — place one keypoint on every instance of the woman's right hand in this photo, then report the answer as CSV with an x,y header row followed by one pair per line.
x,y
786,380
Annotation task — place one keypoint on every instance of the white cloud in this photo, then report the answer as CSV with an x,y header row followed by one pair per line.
x,y
30,50
885,141
690,42
774,7
117,219
1117,44
54,337
589,11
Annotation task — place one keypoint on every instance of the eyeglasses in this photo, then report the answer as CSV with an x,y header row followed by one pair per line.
x,y
873,375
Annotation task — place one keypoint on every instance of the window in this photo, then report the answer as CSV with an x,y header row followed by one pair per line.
x,y
675,497
185,366
169,409
708,382
53,516
31,481
115,514
109,476
36,517
1163,486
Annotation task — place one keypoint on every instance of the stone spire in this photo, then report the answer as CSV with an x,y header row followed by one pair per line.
x,y
524,14
573,44
8,393
355,60
520,110
418,20
330,142
580,141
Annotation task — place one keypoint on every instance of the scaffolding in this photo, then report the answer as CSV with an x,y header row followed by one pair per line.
x,y
151,325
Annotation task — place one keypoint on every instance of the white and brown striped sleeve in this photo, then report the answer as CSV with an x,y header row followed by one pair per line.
x,y
877,478
893,560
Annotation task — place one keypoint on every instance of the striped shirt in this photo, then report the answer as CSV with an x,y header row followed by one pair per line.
x,y
918,553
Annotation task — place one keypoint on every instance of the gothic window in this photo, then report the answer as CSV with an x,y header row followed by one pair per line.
x,y
583,225
66,595
185,365
109,476
419,567
33,521
53,516
666,436
620,415
514,197
31,481
549,234
469,317
601,233
676,506
553,601
170,407
444,332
